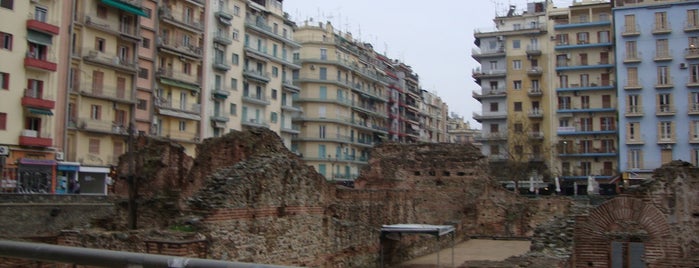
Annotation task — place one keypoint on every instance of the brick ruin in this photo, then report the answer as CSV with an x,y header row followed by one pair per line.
x,y
247,198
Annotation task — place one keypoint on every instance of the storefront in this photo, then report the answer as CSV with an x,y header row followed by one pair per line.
x,y
66,177
92,180
36,176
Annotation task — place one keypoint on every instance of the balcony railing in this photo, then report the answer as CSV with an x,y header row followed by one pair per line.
x,y
40,62
223,38
662,28
102,126
94,21
30,137
111,60
180,46
41,24
692,24
665,110
170,73
187,107
663,55
536,113
257,75
535,92
693,108
33,99
260,24
633,111
634,84
631,57
110,92
691,53
631,30
180,20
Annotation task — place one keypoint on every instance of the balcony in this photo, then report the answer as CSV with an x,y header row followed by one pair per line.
x,y
224,13
179,79
581,22
633,57
179,48
489,116
102,126
585,109
665,110
492,136
663,55
220,93
40,24
221,65
33,138
257,75
662,28
255,99
691,25
526,29
691,53
262,54
223,38
489,93
219,117
179,110
254,122
634,85
183,136
533,50
293,109
581,45
40,62
478,74
631,30
108,92
126,31
577,65
665,83
536,135
110,60
693,108
289,86
178,19
581,151
535,92
479,54
35,100
634,111
535,71
634,140
665,138
260,25
604,86
536,113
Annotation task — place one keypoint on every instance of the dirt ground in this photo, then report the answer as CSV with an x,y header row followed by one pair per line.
x,y
471,250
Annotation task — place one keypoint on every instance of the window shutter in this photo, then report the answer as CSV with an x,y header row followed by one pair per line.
x,y
121,87
660,133
673,131
3,121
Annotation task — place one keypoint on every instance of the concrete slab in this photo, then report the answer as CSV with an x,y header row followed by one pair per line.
x,y
472,250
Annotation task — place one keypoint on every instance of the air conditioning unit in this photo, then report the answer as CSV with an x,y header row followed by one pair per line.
x,y
59,156
568,56
683,65
501,38
313,67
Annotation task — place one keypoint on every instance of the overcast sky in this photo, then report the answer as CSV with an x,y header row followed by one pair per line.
x,y
435,38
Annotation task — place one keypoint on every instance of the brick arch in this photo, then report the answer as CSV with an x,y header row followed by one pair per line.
x,y
630,215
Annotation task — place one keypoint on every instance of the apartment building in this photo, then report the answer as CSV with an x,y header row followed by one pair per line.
x,y
344,101
586,107
433,112
513,86
403,102
658,74
31,89
460,131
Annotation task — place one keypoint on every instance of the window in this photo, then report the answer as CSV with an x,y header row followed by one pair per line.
x,y
586,124
633,104
535,85
7,4
517,64
519,150
35,88
517,84
323,73
517,26
695,157
274,94
632,132
635,159
236,34
236,10
145,43
661,48
493,106
187,68
4,80
5,41
583,38
148,11
607,123
664,102
564,103
694,102
234,83
143,73
519,128
493,65
235,59
321,131
273,117
694,130
694,73
494,128
632,76
492,45
692,18
275,71
96,112
323,54
661,21
664,76
94,146
665,132
100,44
584,80
3,121
234,109
142,104
585,102
101,11
494,150
631,53
562,39
603,37
516,44
630,23
518,106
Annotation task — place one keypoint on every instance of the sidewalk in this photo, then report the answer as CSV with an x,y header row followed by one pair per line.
x,y
471,250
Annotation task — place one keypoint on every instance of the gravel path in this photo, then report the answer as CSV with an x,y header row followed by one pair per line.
x,y
472,250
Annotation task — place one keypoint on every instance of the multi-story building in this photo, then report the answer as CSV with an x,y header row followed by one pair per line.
x,y
514,89
658,72
432,115
31,87
585,89
344,101
460,131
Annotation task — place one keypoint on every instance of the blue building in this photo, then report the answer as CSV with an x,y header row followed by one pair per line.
x,y
657,68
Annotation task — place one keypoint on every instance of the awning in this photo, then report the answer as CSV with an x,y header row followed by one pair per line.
x,y
39,38
180,114
94,169
219,124
40,111
415,127
179,84
67,167
125,7
439,230
224,21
